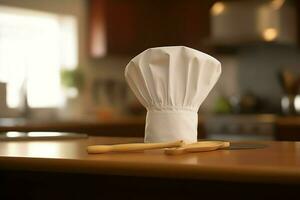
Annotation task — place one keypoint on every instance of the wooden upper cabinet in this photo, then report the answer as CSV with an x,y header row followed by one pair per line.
x,y
97,28
131,26
122,26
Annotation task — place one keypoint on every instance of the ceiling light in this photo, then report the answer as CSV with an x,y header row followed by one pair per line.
x,y
270,34
217,8
277,4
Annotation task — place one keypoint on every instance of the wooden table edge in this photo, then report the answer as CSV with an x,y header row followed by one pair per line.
x,y
180,171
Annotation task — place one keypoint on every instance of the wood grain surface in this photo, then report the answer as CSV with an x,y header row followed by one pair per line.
x,y
271,162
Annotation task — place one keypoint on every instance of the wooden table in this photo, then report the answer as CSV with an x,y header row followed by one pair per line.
x,y
64,168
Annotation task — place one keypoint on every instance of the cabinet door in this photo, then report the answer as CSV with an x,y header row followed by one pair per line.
x,y
112,27
193,22
97,28
122,28
130,26
164,23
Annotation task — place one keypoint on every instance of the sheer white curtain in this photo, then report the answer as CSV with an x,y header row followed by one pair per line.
x,y
34,46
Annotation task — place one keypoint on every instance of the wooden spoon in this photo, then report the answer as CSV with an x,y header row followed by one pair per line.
x,y
132,147
197,147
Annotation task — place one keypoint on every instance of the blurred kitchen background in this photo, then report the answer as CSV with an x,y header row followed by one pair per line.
x,y
62,64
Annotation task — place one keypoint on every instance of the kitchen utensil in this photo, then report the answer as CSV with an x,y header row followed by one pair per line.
x,y
171,148
132,147
197,147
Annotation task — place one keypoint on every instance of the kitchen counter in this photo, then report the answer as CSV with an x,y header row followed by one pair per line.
x,y
125,127
288,128
277,162
257,126
55,162
119,126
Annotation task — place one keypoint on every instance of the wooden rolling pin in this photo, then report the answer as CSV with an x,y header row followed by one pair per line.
x,y
132,147
198,147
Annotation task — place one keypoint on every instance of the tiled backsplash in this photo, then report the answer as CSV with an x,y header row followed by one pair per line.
x,y
259,68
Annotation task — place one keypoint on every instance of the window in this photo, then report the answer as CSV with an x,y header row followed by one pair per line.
x,y
34,47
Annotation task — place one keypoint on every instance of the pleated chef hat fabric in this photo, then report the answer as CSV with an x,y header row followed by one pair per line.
x,y
172,82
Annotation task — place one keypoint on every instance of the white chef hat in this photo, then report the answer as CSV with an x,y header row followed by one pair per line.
x,y
172,82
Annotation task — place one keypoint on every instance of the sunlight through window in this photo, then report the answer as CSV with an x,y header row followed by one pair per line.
x,y
34,46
